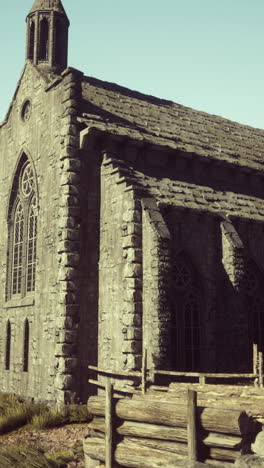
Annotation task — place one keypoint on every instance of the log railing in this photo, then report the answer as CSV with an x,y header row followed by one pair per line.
x,y
184,423
145,375
169,435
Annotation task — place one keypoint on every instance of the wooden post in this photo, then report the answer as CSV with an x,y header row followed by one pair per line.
x,y
144,371
109,424
260,368
191,425
255,358
202,379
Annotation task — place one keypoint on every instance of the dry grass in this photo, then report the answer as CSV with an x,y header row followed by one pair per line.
x,y
15,413
28,457
71,414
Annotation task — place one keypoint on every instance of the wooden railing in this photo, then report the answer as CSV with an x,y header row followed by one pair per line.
x,y
146,375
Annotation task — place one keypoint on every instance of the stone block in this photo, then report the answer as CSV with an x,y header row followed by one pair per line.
x,y
70,259
133,270
131,241
65,349
67,336
64,381
67,273
67,365
70,178
134,255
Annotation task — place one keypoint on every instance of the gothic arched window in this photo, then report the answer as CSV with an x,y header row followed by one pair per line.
x,y
44,40
8,345
26,346
22,232
31,41
186,317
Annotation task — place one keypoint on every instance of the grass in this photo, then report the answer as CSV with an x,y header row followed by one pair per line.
x,y
15,413
71,414
28,457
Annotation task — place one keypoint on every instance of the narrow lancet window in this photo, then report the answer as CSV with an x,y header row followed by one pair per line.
x,y
18,249
26,346
44,40
32,245
31,41
186,317
8,346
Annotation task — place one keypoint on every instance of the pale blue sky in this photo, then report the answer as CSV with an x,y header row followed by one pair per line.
x,y
206,54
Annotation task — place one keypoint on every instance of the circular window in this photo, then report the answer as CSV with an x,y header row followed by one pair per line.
x,y
26,111
27,180
181,274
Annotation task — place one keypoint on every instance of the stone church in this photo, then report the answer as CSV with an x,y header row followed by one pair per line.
x,y
127,222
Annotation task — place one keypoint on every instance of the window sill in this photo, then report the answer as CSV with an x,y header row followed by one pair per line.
x,y
19,302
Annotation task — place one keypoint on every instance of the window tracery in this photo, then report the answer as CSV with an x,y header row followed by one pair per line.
x,y
23,234
186,326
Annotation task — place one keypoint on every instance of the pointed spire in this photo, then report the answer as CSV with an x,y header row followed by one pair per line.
x,y
48,5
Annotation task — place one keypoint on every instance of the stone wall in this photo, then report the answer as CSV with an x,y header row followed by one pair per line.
x,y
120,301
40,138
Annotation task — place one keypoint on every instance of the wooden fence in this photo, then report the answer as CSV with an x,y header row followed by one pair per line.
x,y
145,376
222,441
211,423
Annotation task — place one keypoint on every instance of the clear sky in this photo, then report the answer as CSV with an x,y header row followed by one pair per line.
x,y
205,54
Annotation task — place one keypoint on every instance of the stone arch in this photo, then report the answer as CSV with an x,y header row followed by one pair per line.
x,y
23,158
22,229
186,314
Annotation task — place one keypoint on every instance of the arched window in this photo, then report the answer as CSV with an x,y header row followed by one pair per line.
x,y
26,346
31,41
186,317
44,40
8,345
22,232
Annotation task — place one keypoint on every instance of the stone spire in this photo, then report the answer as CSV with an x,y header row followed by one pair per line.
x,y
48,5
47,35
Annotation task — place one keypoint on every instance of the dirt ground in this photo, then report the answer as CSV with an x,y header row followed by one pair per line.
x,y
61,439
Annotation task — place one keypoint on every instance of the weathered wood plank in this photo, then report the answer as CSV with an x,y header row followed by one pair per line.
x,y
169,414
191,425
109,425
169,433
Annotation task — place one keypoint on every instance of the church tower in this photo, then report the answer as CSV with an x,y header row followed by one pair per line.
x,y
47,35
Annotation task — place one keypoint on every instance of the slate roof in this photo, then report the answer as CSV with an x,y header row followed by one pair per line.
x,y
122,111
191,196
